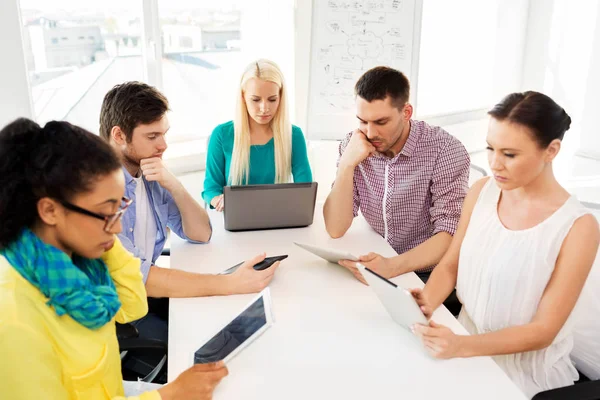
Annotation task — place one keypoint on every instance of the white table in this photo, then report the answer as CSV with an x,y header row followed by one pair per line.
x,y
332,338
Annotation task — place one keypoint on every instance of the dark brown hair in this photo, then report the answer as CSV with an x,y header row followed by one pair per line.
x,y
381,82
129,105
546,119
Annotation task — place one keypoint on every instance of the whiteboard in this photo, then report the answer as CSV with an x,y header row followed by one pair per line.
x,y
347,39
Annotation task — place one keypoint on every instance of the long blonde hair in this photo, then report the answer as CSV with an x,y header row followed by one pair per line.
x,y
280,125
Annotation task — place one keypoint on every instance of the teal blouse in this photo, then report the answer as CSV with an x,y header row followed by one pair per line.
x,y
262,161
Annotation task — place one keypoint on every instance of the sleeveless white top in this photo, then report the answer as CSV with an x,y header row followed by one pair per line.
x,y
502,275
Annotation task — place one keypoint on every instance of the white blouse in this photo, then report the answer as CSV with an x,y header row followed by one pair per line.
x,y
502,275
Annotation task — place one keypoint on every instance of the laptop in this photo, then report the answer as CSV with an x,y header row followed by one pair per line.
x,y
398,302
284,205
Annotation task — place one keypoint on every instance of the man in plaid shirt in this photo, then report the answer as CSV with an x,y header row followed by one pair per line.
x,y
407,178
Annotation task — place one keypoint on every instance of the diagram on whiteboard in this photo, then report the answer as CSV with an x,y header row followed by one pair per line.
x,y
351,37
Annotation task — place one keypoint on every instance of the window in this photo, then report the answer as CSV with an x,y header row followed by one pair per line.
x,y
458,56
202,46
199,71
68,81
206,45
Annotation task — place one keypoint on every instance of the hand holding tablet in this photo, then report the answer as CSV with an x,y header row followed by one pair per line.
x,y
331,255
197,382
343,258
399,302
423,303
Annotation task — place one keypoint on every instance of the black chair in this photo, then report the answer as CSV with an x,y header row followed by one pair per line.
x,y
584,389
130,343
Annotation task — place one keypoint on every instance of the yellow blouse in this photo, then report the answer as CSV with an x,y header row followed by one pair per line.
x,y
45,356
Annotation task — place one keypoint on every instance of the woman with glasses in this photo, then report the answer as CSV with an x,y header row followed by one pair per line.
x,y
64,277
109,220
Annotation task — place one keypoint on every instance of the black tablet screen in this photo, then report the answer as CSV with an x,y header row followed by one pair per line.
x,y
234,334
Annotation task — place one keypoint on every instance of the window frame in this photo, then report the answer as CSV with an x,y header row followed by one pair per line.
x,y
302,15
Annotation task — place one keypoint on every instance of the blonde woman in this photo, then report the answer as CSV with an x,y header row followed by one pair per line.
x,y
260,146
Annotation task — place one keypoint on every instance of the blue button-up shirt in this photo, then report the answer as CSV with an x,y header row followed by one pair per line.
x,y
166,214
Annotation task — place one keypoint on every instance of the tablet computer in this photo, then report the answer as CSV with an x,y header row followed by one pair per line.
x,y
239,333
399,302
331,255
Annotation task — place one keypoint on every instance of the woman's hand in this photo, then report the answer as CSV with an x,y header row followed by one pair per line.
x,y
218,203
423,302
439,340
196,383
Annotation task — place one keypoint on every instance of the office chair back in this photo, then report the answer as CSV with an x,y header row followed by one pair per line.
x,y
586,349
475,174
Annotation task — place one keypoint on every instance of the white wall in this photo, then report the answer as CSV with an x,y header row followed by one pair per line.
x,y
14,89
590,124
510,47
562,60
268,32
303,27
471,54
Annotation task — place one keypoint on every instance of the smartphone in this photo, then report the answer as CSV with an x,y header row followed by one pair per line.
x,y
264,264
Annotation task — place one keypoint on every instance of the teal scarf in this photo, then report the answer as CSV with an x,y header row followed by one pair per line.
x,y
79,287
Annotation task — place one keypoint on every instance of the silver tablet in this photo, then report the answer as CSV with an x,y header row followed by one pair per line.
x,y
331,255
399,302
256,318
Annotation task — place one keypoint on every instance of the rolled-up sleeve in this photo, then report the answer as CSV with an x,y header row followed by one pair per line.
x,y
355,196
449,185
175,223
214,177
300,164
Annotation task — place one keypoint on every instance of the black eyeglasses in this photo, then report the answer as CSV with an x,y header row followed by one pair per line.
x,y
109,220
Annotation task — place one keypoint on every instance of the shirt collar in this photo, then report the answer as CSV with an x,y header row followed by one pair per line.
x,y
411,143
409,147
128,178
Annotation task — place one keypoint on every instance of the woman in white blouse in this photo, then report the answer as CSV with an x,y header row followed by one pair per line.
x,y
521,254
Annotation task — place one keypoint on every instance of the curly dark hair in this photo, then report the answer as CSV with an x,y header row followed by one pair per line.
x,y
57,161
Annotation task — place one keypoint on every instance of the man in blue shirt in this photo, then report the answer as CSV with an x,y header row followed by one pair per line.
x,y
133,119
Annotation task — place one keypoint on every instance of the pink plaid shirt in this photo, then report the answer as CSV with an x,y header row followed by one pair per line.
x,y
418,193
